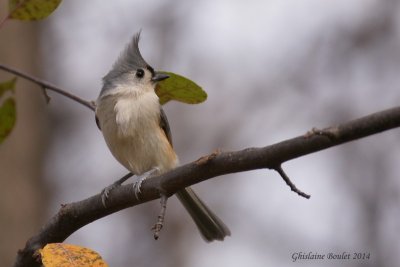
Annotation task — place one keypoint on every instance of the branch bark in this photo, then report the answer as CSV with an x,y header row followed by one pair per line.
x,y
75,215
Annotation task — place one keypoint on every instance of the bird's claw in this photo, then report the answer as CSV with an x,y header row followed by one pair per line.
x,y
106,191
138,183
136,187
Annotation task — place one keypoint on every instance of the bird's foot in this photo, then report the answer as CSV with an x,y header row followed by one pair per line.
x,y
106,191
140,178
160,219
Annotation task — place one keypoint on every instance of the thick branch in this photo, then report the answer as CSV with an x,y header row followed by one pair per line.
x,y
46,85
73,216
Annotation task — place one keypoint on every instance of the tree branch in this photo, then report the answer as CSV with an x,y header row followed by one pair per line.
x,y
75,215
48,86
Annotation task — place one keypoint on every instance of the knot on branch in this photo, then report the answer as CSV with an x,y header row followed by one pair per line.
x,y
332,133
206,159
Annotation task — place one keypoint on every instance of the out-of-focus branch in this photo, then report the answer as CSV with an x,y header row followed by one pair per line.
x,y
73,216
48,86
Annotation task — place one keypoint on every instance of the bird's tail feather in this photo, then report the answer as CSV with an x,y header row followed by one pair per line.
x,y
211,227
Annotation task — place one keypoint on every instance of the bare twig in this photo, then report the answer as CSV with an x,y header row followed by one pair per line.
x,y
48,86
73,216
289,183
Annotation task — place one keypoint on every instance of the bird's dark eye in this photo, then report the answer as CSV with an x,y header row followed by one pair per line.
x,y
140,73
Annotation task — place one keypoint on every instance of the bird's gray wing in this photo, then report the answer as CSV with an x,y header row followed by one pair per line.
x,y
165,125
98,123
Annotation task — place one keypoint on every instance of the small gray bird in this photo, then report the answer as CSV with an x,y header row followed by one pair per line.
x,y
137,132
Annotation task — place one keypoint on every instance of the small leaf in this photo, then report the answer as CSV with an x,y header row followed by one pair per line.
x,y
179,88
8,86
66,255
8,113
32,9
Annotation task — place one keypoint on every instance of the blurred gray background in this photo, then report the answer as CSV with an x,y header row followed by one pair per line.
x,y
272,70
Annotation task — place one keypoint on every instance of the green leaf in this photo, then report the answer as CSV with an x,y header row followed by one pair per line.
x,y
31,9
8,86
8,112
181,89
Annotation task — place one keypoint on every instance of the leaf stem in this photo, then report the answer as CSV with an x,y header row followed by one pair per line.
x,y
3,21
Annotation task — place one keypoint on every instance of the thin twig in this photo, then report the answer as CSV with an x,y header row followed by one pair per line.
x,y
290,183
48,86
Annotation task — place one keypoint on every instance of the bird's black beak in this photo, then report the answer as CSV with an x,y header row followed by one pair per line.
x,y
159,76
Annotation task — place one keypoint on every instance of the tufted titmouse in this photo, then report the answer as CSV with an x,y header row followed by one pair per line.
x,y
137,132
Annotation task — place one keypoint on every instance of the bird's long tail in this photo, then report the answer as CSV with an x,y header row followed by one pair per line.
x,y
211,227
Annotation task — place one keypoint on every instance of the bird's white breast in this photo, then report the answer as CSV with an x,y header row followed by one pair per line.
x,y
134,115
130,125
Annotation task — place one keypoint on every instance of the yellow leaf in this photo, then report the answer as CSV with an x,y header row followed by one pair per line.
x,y
66,255
32,9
